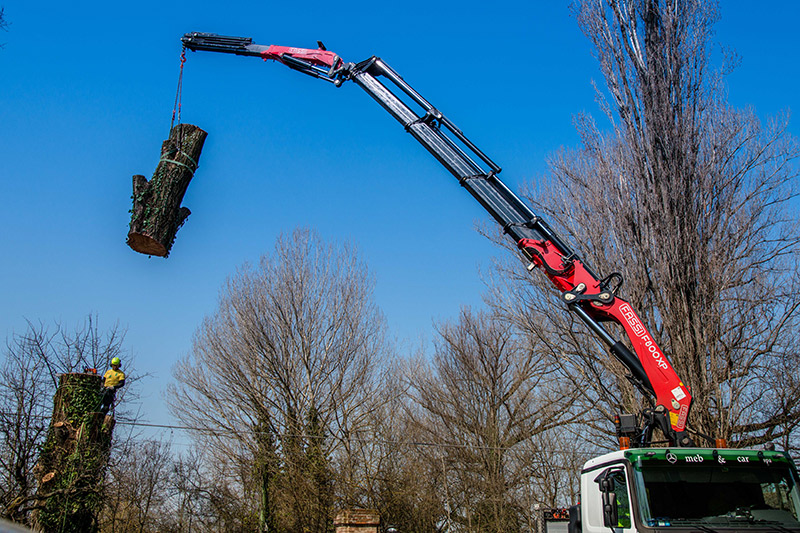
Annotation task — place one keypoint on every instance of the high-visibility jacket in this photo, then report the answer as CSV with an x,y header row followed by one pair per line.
x,y
112,378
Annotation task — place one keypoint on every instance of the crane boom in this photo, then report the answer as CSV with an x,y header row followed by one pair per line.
x,y
592,298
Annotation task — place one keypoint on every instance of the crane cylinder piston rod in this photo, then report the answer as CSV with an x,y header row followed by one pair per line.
x,y
592,298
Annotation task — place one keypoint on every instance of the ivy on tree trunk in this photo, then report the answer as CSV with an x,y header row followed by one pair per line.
x,y
72,462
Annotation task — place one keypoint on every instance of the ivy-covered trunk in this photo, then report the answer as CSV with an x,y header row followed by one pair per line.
x,y
157,213
267,466
73,458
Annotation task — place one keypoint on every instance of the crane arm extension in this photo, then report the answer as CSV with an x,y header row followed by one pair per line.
x,y
587,295
319,63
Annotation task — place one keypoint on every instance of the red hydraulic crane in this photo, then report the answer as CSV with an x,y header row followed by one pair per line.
x,y
593,298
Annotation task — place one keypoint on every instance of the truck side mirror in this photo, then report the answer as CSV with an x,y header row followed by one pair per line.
x,y
609,497
610,512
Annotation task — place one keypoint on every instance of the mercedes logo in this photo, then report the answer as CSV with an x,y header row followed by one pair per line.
x,y
672,458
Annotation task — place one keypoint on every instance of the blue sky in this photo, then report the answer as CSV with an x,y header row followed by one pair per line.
x,y
86,97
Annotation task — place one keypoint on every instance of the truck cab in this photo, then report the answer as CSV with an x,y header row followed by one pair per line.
x,y
688,489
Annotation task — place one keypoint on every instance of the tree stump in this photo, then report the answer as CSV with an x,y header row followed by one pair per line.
x,y
157,213
72,461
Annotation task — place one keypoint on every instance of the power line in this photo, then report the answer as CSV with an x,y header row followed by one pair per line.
x,y
220,432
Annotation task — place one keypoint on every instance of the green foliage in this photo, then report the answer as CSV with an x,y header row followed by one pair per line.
x,y
85,399
266,468
299,480
317,471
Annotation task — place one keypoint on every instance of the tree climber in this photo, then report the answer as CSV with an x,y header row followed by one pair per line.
x,y
113,379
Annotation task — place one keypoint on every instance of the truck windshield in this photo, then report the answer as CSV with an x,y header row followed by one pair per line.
x,y
731,490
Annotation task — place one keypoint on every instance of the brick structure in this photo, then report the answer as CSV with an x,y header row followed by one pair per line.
x,y
357,521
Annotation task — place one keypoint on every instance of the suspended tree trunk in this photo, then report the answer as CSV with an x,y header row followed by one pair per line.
x,y
73,458
157,213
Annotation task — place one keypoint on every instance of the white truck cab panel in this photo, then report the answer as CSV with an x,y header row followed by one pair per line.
x,y
690,489
592,497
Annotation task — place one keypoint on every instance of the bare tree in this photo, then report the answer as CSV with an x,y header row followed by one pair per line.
x,y
28,381
291,351
551,479
136,493
3,22
24,414
212,493
688,198
62,351
191,491
486,398
150,488
396,468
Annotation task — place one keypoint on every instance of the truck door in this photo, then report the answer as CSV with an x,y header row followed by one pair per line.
x,y
606,502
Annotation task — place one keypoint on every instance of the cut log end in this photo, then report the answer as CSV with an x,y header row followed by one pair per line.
x,y
157,214
144,244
